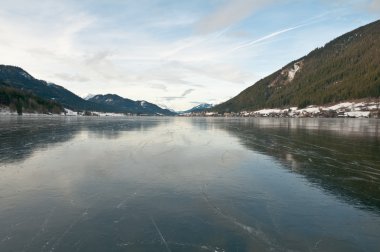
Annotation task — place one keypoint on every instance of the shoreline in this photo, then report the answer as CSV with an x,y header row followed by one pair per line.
x,y
362,109
341,110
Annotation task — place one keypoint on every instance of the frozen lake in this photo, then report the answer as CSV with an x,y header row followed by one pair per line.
x,y
189,184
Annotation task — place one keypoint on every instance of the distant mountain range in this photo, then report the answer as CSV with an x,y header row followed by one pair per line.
x,y
18,79
198,108
346,68
123,104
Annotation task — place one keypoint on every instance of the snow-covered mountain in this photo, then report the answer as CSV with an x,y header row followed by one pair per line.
x,y
199,108
88,96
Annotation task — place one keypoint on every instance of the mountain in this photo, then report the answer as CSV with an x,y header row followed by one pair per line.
x,y
23,101
19,79
344,69
150,108
125,105
88,96
166,107
199,108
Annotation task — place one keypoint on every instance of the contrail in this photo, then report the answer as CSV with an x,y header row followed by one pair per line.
x,y
274,34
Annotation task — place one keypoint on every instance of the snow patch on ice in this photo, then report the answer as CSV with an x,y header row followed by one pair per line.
x,y
6,111
69,112
358,114
95,113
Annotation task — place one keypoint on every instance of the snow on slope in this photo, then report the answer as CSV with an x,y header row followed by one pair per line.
x,y
292,72
345,109
88,96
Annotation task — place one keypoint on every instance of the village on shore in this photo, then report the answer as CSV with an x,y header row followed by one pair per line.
x,y
344,110
341,110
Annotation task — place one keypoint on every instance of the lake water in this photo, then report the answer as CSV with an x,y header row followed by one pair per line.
x,y
189,184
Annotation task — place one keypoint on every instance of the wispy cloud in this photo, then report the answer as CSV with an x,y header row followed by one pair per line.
x,y
159,86
188,91
171,98
375,5
184,94
69,77
168,52
361,5
269,36
228,14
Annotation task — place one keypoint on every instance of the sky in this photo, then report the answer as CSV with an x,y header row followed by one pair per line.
x,y
176,54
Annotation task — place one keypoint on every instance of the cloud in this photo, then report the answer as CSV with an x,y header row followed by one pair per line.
x,y
374,5
171,98
159,86
187,92
98,57
142,52
69,77
360,5
228,14
184,94
218,71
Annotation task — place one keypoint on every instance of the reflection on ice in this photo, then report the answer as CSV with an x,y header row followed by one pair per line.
x,y
339,161
189,184
21,136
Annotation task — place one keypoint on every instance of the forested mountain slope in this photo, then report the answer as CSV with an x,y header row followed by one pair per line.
x,y
22,82
346,68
